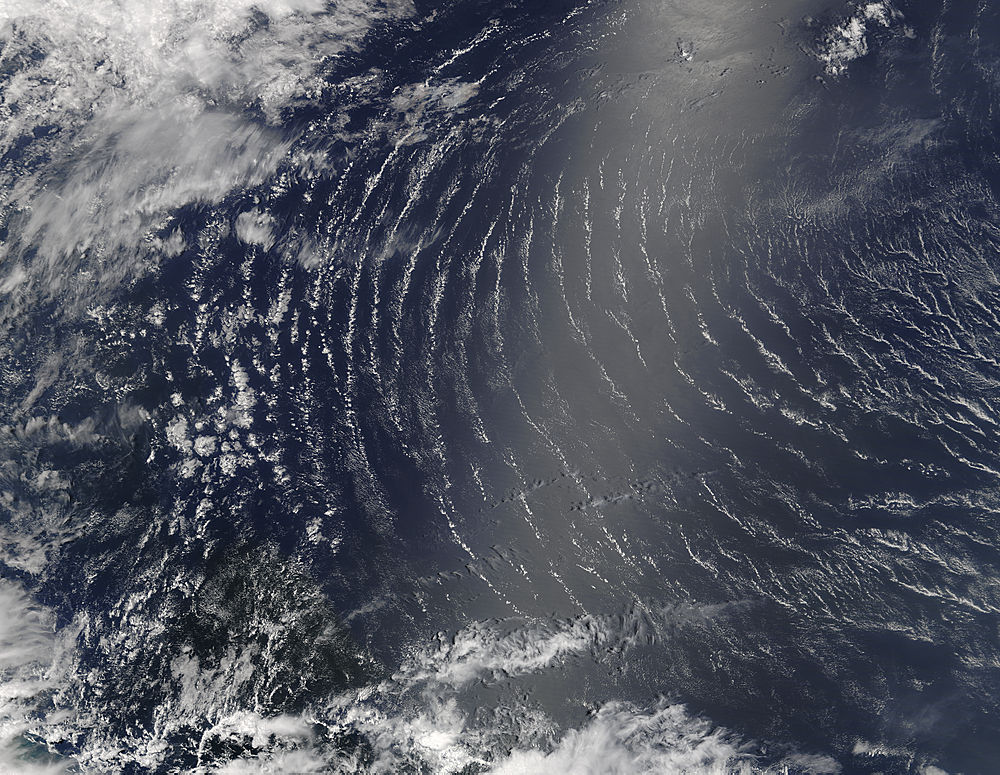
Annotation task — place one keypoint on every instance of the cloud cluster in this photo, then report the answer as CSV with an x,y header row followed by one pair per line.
x,y
114,113
849,40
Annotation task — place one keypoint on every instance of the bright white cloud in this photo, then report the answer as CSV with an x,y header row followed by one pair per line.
x,y
149,107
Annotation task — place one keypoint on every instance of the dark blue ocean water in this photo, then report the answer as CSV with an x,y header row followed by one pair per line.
x,y
568,365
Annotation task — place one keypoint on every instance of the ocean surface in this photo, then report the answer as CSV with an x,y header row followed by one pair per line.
x,y
499,387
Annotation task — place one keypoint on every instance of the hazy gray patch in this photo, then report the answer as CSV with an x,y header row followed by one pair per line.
x,y
255,228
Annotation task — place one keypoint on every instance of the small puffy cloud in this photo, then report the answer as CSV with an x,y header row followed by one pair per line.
x,y
255,228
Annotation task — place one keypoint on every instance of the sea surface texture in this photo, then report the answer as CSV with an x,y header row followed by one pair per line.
x,y
498,386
